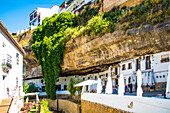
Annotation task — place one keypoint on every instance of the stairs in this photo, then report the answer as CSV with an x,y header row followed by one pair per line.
x,y
5,105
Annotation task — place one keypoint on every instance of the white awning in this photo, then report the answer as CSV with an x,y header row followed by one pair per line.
x,y
85,83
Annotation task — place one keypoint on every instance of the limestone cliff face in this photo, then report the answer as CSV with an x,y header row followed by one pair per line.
x,y
33,69
93,54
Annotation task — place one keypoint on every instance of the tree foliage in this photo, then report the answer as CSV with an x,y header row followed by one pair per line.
x,y
71,87
49,42
32,88
25,88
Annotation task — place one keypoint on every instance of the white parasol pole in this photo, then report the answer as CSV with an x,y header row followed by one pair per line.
x,y
109,82
139,83
121,86
99,86
168,84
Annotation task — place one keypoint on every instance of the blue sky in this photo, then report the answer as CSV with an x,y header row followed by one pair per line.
x,y
14,14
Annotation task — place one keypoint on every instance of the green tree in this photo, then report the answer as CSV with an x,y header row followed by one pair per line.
x,y
78,89
25,88
71,87
32,87
49,45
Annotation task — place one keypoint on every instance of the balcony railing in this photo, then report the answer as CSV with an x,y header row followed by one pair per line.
x,y
6,65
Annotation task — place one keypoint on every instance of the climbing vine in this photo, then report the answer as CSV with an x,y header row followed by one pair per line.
x,y
49,44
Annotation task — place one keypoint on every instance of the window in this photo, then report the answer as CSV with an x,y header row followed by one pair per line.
x,y
95,77
58,87
163,76
16,81
157,76
65,79
123,67
65,87
83,78
129,65
116,71
17,58
38,18
148,62
137,64
35,14
106,74
31,17
165,58
160,76
42,81
9,61
3,44
88,77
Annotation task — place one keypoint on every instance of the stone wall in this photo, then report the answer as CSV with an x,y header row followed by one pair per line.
x,y
91,107
64,105
109,4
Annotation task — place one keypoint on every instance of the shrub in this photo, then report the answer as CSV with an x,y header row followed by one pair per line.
x,y
78,89
168,11
32,87
87,8
143,9
135,10
160,19
45,106
154,21
98,24
25,88
71,88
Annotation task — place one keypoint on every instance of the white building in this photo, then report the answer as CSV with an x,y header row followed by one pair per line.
x,y
74,5
39,14
154,68
11,61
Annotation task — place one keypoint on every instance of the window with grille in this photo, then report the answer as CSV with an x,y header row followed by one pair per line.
x,y
148,62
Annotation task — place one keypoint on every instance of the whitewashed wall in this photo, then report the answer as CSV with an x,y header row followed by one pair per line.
x,y
140,104
160,69
15,71
45,12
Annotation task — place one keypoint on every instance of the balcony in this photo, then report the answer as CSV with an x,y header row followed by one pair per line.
x,y
6,63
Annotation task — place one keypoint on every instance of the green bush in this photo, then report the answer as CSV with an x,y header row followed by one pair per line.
x,y
87,8
143,9
45,107
71,88
168,11
97,24
25,88
32,88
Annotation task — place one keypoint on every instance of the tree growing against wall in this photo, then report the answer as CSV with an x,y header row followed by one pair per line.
x,y
49,44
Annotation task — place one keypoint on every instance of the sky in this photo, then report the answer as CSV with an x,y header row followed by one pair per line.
x,y
14,14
